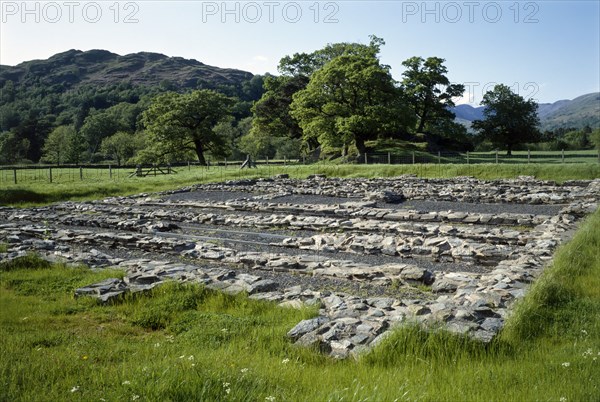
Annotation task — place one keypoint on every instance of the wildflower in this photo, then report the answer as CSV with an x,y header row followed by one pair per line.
x,y
285,361
563,399
270,398
182,356
126,382
244,370
566,364
224,330
584,332
225,384
75,388
191,357
135,397
157,345
587,353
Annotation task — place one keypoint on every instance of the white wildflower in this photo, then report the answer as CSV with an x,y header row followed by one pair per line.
x,y
157,345
563,399
191,357
244,370
270,398
566,364
285,361
126,382
75,388
135,397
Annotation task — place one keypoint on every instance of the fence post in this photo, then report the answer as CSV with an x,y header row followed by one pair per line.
x,y
496,157
562,156
366,160
80,173
439,158
528,155
389,158
413,157
467,157
15,175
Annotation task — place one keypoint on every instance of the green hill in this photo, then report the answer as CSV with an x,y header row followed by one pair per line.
x,y
581,111
38,95
75,68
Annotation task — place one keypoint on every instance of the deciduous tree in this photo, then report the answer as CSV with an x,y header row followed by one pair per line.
x,y
180,122
428,90
509,119
351,99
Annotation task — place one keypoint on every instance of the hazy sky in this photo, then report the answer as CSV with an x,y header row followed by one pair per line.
x,y
548,50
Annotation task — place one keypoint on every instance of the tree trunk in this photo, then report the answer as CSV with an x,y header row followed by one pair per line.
x,y
200,152
360,145
423,120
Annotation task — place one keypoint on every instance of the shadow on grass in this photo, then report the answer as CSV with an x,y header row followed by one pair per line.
x,y
20,197
16,196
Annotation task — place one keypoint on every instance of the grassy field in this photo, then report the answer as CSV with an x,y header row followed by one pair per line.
x,y
183,342
98,184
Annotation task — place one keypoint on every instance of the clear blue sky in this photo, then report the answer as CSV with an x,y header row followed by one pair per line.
x,y
548,50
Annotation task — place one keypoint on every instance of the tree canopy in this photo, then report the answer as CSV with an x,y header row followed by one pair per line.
x,y
177,123
429,91
509,119
351,99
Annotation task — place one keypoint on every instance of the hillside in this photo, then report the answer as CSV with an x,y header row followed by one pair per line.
x,y
75,68
103,89
579,112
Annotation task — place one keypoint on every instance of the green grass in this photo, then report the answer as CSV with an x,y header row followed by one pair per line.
x,y
39,192
183,342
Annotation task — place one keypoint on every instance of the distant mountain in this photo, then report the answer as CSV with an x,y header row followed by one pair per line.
x,y
74,68
579,112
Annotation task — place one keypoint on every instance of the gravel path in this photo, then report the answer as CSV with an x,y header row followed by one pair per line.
x,y
419,205
214,196
426,206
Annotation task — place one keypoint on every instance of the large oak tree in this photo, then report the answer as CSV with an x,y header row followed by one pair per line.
x,y
351,99
179,122
429,90
509,119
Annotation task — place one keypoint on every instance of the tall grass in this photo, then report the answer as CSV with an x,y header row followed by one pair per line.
x,y
183,342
